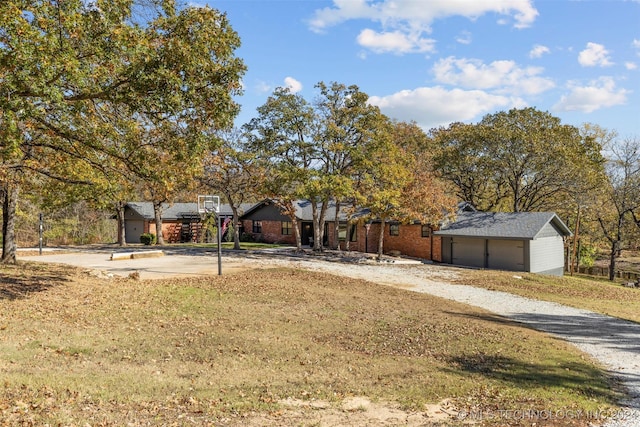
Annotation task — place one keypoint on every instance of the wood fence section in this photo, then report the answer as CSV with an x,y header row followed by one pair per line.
x,y
604,271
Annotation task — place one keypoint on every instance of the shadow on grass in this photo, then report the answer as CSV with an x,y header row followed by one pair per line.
x,y
582,378
20,281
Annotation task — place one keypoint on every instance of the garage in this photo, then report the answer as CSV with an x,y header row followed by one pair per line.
x,y
466,251
484,253
505,255
522,241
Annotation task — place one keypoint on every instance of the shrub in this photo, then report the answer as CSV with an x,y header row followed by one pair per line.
x,y
247,237
587,255
148,238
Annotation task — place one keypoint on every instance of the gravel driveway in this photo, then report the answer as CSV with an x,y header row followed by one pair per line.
x,y
613,342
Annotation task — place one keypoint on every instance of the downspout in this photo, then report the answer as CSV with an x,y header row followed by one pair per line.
x,y
431,243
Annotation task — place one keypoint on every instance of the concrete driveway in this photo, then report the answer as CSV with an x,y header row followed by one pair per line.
x,y
172,262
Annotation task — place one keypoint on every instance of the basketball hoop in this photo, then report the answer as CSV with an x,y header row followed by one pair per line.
x,y
208,204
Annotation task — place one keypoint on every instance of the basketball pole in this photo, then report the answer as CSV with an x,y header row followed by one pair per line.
x,y
219,244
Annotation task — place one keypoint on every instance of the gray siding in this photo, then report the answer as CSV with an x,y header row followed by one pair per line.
x,y
267,213
548,230
547,255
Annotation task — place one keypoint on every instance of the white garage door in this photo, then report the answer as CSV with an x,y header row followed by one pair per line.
x,y
506,255
466,251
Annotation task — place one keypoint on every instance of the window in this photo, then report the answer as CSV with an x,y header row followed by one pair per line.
x,y
394,229
342,232
353,233
287,227
426,230
257,227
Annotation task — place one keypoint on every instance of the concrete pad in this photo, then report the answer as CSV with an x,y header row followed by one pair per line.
x,y
149,268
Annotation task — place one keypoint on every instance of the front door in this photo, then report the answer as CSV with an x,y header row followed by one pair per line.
x,y
306,237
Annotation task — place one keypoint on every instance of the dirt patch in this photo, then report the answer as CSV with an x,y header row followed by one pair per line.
x,y
354,411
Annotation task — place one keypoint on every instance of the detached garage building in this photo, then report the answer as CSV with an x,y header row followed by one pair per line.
x,y
523,241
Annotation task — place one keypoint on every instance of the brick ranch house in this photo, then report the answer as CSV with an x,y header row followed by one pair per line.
x,y
524,241
266,222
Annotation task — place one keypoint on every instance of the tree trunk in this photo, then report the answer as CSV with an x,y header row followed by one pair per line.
x,y
574,249
122,236
381,240
296,232
336,229
612,260
347,242
157,213
317,235
11,191
236,230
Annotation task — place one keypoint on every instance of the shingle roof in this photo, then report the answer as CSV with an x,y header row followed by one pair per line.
x,y
304,212
179,210
518,225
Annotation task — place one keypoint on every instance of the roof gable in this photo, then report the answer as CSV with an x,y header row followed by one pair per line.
x,y
502,225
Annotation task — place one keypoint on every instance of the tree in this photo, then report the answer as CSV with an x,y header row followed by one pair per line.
x,y
621,196
346,124
579,203
281,138
314,148
399,182
520,160
232,170
81,83
463,159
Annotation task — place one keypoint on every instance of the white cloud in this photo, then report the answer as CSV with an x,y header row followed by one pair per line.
x,y
594,55
292,84
538,50
414,18
464,38
436,106
636,44
601,93
394,42
631,65
263,87
500,76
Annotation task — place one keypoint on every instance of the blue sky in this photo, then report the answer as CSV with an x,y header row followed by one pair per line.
x,y
440,61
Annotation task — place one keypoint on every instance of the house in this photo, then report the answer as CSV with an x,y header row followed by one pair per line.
x,y
265,222
522,241
181,222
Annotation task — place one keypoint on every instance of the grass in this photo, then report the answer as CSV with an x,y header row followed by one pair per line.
x,y
75,349
599,295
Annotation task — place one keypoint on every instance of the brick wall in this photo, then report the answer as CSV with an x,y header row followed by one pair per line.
x,y
409,242
271,232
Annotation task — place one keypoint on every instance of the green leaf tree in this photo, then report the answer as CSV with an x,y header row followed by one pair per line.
x,y
313,149
520,160
82,83
281,137
398,182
